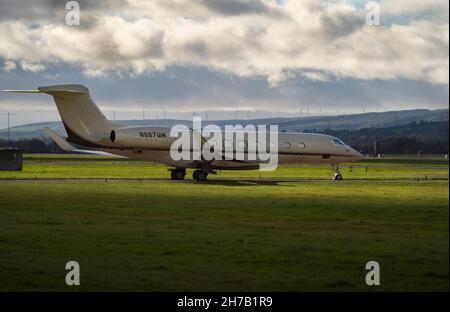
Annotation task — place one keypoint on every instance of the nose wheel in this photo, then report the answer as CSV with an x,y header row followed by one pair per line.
x,y
177,174
337,174
200,175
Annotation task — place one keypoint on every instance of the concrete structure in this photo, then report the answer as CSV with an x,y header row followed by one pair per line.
x,y
11,159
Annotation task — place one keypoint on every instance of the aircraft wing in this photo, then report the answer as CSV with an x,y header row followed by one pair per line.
x,y
66,146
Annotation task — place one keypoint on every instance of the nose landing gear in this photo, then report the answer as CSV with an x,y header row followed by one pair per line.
x,y
337,174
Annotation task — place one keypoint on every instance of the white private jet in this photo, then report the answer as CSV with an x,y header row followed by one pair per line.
x,y
86,126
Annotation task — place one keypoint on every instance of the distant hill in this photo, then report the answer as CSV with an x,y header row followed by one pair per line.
x,y
428,137
312,123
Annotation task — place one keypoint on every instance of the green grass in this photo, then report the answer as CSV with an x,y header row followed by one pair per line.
x,y
82,166
235,236
437,160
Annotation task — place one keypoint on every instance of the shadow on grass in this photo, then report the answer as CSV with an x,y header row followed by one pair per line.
x,y
244,183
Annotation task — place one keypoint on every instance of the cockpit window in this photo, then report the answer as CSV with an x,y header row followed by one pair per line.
x,y
337,142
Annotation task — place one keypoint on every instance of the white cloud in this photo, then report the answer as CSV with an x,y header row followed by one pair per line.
x,y
316,76
31,67
246,38
96,73
9,66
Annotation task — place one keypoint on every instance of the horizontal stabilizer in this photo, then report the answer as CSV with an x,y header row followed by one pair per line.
x,y
66,146
68,89
59,140
22,91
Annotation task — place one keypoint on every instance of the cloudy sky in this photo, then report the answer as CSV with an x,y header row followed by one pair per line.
x,y
264,57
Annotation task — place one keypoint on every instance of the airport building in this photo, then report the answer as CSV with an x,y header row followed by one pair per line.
x,y
11,159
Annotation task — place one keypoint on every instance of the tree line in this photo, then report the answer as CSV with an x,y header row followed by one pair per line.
x,y
425,137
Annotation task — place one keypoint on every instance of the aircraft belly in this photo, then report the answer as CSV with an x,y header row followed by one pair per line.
x,y
289,159
164,157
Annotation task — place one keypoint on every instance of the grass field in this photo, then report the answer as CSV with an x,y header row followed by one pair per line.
x,y
224,235
81,166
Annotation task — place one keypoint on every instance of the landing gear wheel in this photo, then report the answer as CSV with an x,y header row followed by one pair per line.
x,y
200,175
337,174
177,174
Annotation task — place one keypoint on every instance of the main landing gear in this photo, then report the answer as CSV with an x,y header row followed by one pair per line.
x,y
177,174
337,174
180,173
200,175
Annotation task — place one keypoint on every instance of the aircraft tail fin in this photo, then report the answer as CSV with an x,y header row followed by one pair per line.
x,y
83,120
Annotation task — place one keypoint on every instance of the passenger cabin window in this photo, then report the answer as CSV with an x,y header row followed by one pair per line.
x,y
301,145
287,145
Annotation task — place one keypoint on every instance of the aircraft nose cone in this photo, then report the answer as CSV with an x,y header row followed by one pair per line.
x,y
357,154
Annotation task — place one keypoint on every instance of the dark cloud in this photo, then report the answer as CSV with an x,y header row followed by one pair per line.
x,y
196,48
340,24
239,7
54,11
28,10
